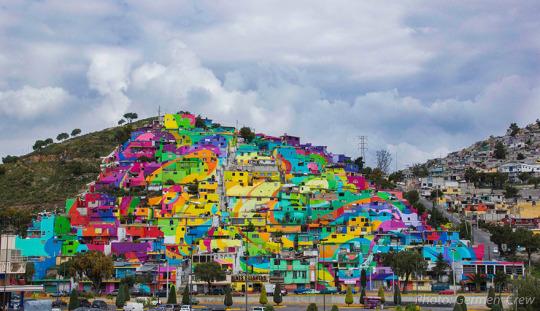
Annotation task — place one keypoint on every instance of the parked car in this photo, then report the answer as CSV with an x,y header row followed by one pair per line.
x,y
59,303
217,291
437,287
330,290
312,291
85,303
446,292
170,307
257,309
100,304
300,291
185,308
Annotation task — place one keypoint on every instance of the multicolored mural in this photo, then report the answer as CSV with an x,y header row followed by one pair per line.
x,y
272,206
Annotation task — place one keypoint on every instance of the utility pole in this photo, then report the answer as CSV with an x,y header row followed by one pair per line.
x,y
363,145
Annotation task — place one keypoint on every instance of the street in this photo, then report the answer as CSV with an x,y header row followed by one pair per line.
x,y
479,236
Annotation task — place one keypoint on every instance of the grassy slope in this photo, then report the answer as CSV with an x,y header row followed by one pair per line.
x,y
44,179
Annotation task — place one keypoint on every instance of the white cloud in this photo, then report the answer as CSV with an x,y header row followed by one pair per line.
x,y
30,102
109,74
417,80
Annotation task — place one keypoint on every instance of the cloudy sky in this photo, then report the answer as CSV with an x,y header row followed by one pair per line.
x,y
418,78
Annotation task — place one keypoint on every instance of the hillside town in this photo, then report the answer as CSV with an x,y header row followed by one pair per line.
x,y
213,209
493,181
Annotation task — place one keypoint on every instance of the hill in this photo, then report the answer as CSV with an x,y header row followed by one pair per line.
x,y
516,146
43,179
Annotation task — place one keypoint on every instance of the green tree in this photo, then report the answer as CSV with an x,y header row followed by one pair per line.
x,y
29,272
121,297
534,181
349,296
360,163
334,308
228,301
62,136
185,296
490,300
362,295
477,278
172,295
121,121
38,144
460,304
15,220
441,267
500,280
209,272
420,170
199,122
130,116
380,293
500,151
10,159
526,295
263,299
397,295
412,196
465,230
312,307
510,192
48,141
520,156
526,239
75,132
277,294
471,175
74,302
95,265
247,134
513,129
405,263
363,278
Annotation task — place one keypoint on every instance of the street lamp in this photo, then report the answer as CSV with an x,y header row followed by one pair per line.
x,y
324,275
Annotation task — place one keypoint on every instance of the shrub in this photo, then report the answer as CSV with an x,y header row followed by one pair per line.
x,y
263,300
74,302
228,301
380,293
397,295
362,295
268,308
121,297
334,308
172,295
312,307
277,294
9,159
348,296
185,296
